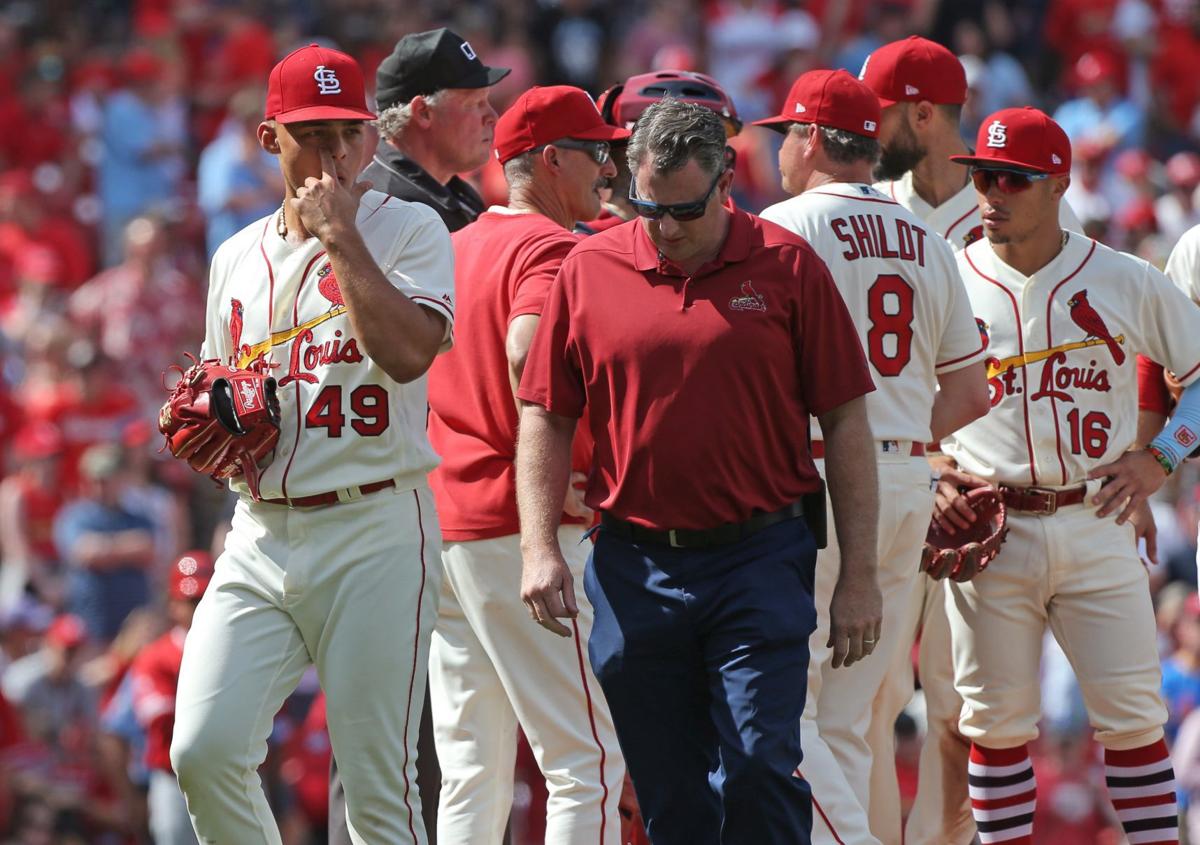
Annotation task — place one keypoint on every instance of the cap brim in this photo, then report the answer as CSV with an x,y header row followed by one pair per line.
x,y
485,77
884,102
323,113
778,122
603,132
978,161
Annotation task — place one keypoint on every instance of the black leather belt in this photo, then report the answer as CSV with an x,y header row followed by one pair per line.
x,y
684,538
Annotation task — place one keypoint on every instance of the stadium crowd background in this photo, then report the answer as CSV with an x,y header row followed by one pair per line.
x,y
129,153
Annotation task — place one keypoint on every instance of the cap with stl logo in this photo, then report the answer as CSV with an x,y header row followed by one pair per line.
x,y
551,113
1024,138
830,98
316,83
915,69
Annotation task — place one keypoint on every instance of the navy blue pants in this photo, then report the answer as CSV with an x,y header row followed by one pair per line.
x,y
703,657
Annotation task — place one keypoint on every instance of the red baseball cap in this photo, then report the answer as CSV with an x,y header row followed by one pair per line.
x,y
550,113
915,69
830,98
1024,138
190,575
316,83
67,631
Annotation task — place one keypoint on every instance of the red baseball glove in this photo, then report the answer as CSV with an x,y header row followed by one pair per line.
x,y
963,555
222,420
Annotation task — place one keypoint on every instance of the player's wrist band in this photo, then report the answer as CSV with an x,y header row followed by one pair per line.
x,y
1179,437
1162,459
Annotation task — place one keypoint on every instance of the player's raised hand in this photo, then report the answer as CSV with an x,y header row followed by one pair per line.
x,y
1130,480
327,206
548,590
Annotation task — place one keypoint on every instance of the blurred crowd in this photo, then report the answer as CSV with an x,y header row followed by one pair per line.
x,y
131,154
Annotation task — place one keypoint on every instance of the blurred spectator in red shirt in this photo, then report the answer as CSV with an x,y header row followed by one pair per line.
x,y
305,766
26,221
142,313
1072,805
37,294
56,707
1176,210
89,405
30,499
155,675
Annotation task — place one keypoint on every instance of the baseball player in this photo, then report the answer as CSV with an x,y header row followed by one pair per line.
x,y
345,295
921,88
155,678
902,286
1065,318
487,670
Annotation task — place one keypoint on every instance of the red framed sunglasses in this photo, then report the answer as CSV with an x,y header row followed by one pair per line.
x,y
1008,181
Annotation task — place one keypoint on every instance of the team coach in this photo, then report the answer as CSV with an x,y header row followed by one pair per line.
x,y
702,573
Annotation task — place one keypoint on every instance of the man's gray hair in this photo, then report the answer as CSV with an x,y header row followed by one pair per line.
x,y
670,133
518,171
393,120
841,146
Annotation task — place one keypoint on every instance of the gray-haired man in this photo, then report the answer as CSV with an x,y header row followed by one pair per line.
x,y
435,121
702,574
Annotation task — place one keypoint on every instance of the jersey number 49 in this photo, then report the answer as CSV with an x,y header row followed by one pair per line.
x,y
368,404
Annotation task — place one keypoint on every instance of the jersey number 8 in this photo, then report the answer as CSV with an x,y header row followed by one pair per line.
x,y
368,402
890,316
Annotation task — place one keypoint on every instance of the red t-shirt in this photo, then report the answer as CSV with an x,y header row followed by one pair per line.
x,y
698,388
155,674
1153,394
503,267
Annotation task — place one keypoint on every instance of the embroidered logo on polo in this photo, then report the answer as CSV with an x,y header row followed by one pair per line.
x,y
749,299
327,81
997,135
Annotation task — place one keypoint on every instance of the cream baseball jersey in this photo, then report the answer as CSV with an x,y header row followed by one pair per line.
x,y
1183,267
278,308
1062,350
903,289
957,219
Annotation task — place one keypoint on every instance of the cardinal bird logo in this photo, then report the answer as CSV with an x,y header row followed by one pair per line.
x,y
1086,318
236,312
984,337
328,285
749,300
973,235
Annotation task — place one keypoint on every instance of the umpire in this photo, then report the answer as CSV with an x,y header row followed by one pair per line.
x,y
435,121
702,574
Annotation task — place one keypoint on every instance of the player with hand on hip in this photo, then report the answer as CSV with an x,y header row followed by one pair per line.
x,y
902,286
922,88
345,296
489,670
1065,317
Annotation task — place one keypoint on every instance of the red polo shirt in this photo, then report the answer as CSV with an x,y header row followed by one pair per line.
x,y
698,388
503,266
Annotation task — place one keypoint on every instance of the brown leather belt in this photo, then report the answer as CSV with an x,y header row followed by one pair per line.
x,y
1041,500
918,449
333,497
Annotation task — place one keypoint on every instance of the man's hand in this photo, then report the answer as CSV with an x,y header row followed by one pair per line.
x,y
574,504
950,509
855,619
1145,529
1131,479
548,590
326,206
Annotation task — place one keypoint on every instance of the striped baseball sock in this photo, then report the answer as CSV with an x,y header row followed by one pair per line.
x,y
1141,784
1003,794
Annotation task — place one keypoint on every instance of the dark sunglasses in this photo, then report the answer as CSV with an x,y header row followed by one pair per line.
x,y
598,150
1008,181
681,211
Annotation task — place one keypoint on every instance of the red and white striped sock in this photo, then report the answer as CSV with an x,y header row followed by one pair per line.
x,y
1141,784
1003,794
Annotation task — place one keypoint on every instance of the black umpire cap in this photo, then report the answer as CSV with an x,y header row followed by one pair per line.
x,y
425,62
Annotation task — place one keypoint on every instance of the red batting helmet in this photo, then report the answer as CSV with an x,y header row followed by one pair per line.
x,y
623,104
190,575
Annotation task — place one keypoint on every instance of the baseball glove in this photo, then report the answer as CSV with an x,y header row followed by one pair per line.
x,y
963,555
222,420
